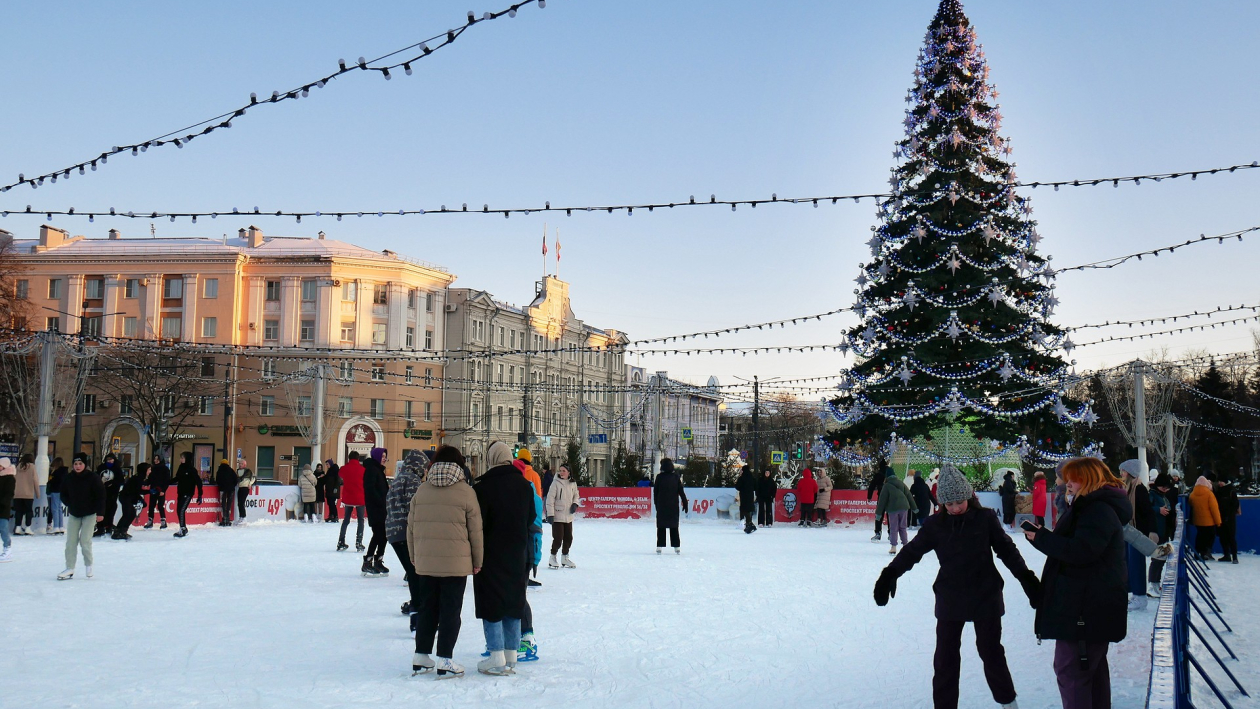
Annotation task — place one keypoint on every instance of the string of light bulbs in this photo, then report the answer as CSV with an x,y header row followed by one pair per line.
x,y
224,120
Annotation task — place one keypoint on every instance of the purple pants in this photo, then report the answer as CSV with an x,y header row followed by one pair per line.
x,y
947,662
1082,687
897,522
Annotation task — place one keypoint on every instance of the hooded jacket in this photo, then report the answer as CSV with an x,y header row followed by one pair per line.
x,y
806,488
922,494
398,501
767,489
1226,501
352,483
506,502
159,478
187,480
530,474
375,489
225,478
746,486
561,498
894,497
306,483
968,586
1039,498
443,523
1085,579
667,494
83,494
1205,511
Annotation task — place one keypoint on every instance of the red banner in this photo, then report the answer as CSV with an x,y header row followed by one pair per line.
x,y
616,502
847,507
205,512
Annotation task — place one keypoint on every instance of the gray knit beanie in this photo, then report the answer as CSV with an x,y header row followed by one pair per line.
x,y
953,486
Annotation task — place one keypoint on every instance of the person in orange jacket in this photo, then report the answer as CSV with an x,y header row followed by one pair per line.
x,y
806,493
1205,515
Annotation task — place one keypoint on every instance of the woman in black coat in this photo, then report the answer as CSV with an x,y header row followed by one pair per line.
x,y
130,497
1084,590
767,490
746,486
332,489
667,491
922,495
506,500
1008,491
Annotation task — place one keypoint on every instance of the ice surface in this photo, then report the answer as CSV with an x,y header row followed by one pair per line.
x,y
1235,589
270,616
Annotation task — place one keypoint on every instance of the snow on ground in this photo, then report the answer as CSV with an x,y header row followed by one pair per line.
x,y
270,616
1235,589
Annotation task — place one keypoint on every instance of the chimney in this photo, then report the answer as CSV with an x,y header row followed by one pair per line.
x,y
114,235
255,237
242,234
51,237
321,235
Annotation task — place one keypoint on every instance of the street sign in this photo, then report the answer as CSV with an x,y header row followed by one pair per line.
x,y
597,438
686,434
778,457
115,444
743,455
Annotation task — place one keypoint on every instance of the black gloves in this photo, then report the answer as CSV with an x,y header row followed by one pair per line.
x,y
1032,587
885,587
573,508
551,520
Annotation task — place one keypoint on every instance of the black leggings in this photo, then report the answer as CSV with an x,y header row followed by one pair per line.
x,y
225,506
181,509
821,515
807,511
157,504
673,537
128,516
242,493
1204,538
332,508
376,545
765,512
1228,535
23,509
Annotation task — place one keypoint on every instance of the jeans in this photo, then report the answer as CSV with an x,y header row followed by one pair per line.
x,y
23,509
1082,685
4,534
947,661
356,511
765,512
561,537
897,526
441,598
409,573
503,635
157,506
79,534
1137,571
54,510
242,493
673,537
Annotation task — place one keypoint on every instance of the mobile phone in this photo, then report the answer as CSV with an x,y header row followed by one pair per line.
x,y
1028,526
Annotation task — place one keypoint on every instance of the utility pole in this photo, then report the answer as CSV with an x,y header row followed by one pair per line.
x,y
1139,416
47,362
78,407
756,425
1170,448
317,415
227,411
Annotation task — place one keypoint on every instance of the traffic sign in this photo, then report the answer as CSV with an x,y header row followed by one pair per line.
x,y
597,438
778,457
686,434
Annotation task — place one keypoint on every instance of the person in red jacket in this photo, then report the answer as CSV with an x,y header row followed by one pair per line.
x,y
1039,498
806,493
352,499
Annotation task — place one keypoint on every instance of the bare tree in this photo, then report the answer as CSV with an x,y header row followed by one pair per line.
x,y
159,387
15,304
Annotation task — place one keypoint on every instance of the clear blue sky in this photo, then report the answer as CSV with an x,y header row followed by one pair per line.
x,y
652,100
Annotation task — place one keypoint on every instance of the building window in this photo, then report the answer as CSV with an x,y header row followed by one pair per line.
x,y
273,290
378,333
131,287
268,406
380,294
345,407
131,327
347,370
167,404
408,373
428,302
475,419
124,405
171,328
303,406
309,288
511,419
94,289
428,376
54,288
265,463
306,331
378,409
500,337
428,339
23,289
411,337
500,374
269,369
499,412
411,298
173,287
89,403
407,407
207,367
210,288
350,291
209,327
92,326
511,374
378,371
206,407
347,331
271,329
428,411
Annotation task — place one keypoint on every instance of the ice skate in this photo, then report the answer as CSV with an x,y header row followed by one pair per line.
x,y
183,532
494,665
1233,558
531,583
163,525
342,546
65,575
358,546
1153,589
1011,705
369,569
892,550
6,555
379,567
1137,604
877,537
678,550
88,571
552,563
421,663
528,651
148,525
447,668
510,657
566,562
658,551
406,608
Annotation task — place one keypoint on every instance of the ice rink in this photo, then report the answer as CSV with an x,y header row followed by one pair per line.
x,y
269,615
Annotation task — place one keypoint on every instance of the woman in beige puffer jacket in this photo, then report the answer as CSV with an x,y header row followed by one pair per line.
x,y
306,484
560,507
445,543
822,502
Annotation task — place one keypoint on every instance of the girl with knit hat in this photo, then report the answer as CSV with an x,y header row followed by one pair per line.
x,y
965,537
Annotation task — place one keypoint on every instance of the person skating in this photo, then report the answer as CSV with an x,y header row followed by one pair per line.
x,y
822,502
1082,607
131,500
806,493
923,497
8,481
1229,509
873,486
767,491
548,477
110,473
351,477
442,538
746,486
187,481
1008,491
83,494
895,501
1205,515
332,489
398,506
1164,514
667,495
528,649
505,500
56,522
306,485
225,480
24,492
158,483
320,474
965,537
560,508
375,490
245,482
1135,561
1039,498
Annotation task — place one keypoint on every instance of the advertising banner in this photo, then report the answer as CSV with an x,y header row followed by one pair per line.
x,y
264,502
616,502
712,502
848,507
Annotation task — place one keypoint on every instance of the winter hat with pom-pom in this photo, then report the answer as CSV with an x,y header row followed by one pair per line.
x,y
953,486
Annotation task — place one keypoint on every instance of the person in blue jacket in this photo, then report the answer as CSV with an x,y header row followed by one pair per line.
x,y
528,651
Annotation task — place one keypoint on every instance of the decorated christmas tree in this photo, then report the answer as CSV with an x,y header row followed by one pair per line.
x,y
955,301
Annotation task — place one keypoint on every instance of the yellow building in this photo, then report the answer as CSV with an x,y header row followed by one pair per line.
x,y
189,326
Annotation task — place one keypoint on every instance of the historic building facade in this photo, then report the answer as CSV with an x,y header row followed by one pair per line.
x,y
670,418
